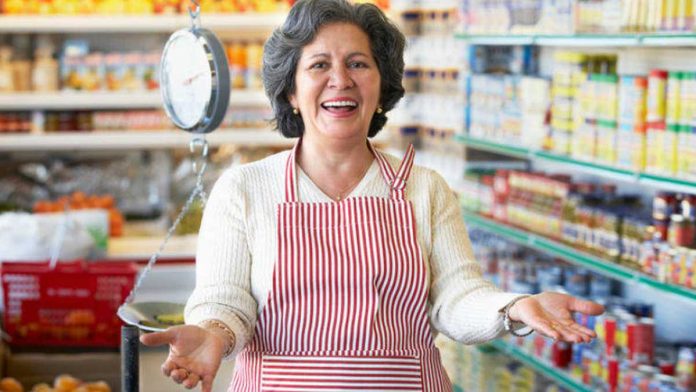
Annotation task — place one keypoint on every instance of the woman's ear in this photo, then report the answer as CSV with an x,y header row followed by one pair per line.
x,y
293,101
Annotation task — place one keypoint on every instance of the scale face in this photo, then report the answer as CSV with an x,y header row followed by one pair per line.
x,y
195,80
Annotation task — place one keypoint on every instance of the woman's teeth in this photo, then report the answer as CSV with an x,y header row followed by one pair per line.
x,y
340,105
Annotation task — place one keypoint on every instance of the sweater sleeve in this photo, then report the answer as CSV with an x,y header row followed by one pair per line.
x,y
223,263
463,305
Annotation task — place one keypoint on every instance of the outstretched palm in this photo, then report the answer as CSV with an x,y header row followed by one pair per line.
x,y
551,314
195,354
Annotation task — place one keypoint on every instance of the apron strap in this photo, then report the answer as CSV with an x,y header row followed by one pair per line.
x,y
397,183
291,175
384,166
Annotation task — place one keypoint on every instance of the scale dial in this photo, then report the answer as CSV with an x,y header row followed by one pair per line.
x,y
195,80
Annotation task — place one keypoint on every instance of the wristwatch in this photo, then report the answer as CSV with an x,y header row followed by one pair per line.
x,y
507,322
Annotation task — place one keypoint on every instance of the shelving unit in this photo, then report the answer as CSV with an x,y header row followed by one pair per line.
x,y
584,40
598,169
558,375
123,140
135,23
71,100
583,259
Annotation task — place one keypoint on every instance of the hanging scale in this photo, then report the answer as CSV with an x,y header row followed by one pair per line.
x,y
195,87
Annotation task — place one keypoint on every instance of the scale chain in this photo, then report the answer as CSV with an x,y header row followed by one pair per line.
x,y
197,192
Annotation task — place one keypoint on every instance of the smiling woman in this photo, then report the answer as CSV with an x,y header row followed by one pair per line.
x,y
333,265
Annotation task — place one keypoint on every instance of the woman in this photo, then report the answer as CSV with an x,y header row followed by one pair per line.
x,y
329,267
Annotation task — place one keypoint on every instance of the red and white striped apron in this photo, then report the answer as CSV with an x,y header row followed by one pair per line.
x,y
347,308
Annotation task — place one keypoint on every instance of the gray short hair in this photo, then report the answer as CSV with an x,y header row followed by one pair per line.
x,y
283,50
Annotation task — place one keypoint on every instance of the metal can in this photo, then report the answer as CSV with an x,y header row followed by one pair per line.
x,y
612,372
561,354
610,334
644,341
667,366
631,328
664,205
681,231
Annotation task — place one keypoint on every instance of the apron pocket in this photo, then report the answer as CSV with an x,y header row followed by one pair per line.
x,y
340,373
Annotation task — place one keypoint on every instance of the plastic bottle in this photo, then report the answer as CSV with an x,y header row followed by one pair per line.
x,y
45,72
6,76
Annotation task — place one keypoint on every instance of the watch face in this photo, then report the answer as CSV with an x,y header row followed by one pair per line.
x,y
186,80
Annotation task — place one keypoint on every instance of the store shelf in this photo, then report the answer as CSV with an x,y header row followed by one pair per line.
x,y
142,248
598,169
121,140
556,249
36,24
71,100
497,40
558,375
584,40
485,145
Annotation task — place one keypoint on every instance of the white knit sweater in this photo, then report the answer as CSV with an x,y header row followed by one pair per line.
x,y
237,250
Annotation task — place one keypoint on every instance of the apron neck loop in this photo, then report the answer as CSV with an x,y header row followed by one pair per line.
x,y
396,182
291,174
398,186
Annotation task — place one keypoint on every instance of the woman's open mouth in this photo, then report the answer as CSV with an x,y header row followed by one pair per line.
x,y
342,106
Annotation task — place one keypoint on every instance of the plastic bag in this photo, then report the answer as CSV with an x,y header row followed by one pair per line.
x,y
36,237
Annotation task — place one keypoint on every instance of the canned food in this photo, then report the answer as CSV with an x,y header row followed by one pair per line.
x,y
610,334
681,231
644,341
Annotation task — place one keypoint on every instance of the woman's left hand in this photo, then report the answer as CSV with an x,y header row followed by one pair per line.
x,y
551,314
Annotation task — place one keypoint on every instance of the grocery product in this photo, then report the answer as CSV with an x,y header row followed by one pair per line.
x,y
81,201
15,122
578,16
62,383
593,218
140,7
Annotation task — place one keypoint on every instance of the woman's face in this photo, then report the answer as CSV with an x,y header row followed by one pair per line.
x,y
337,83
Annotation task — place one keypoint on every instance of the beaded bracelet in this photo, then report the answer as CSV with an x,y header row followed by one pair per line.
x,y
231,339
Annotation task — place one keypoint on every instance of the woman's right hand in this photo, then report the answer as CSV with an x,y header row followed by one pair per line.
x,y
195,354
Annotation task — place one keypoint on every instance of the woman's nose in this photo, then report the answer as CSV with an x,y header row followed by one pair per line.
x,y
340,78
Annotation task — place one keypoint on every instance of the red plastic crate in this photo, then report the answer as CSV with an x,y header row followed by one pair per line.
x,y
72,305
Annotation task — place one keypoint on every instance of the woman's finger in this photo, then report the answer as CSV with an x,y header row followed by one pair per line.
x,y
584,306
544,327
207,384
179,375
191,381
168,367
584,330
157,338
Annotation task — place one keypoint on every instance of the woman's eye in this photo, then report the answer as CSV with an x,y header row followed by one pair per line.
x,y
358,64
318,66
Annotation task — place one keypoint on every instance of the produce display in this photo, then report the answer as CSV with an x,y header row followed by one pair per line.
x,y
81,201
137,7
62,383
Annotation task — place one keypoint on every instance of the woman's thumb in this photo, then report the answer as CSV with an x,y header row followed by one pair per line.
x,y
158,338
